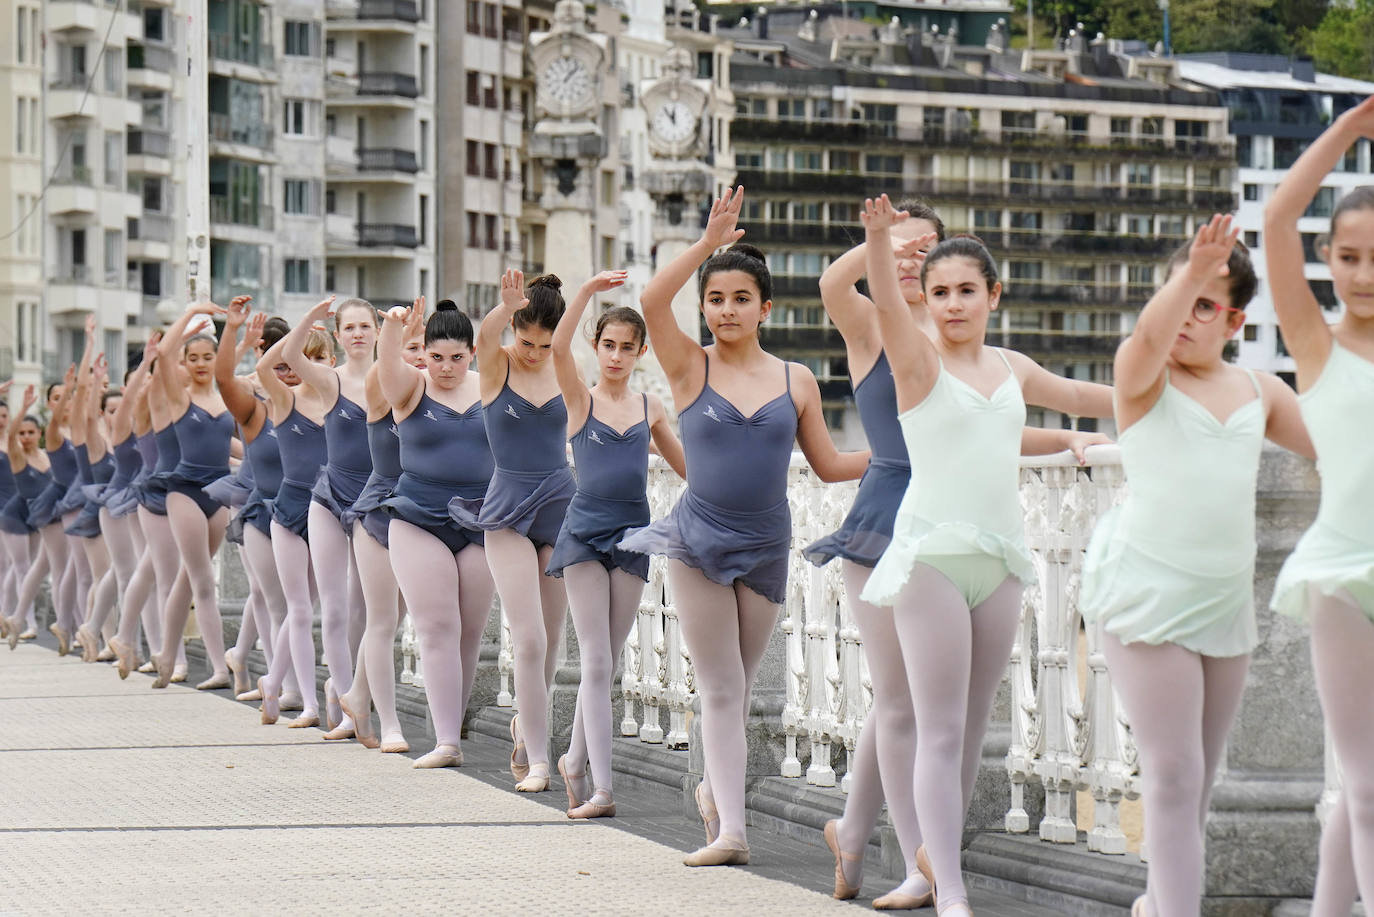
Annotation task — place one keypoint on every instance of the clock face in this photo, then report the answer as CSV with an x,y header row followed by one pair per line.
x,y
567,81
674,122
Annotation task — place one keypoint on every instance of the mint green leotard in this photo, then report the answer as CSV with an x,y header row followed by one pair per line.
x,y
1175,563
1337,552
961,512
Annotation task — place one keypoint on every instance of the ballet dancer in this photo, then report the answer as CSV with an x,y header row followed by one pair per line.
x,y
343,388
438,557
95,466
881,766
297,414
45,514
1329,579
30,468
522,512
1169,575
374,679
727,538
957,559
610,427
10,572
204,428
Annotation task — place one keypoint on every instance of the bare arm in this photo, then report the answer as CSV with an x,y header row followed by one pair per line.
x,y
1305,332
277,391
665,440
123,423
491,356
1069,396
321,378
915,364
1044,441
52,436
95,434
18,460
165,373
402,384
829,463
237,394
576,398
853,313
1284,425
81,407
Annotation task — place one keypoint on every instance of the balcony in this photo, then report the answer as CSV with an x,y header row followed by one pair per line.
x,y
377,159
150,57
373,11
224,210
148,143
73,191
383,83
1057,343
238,49
66,97
75,15
225,129
1078,242
1078,294
395,235
72,275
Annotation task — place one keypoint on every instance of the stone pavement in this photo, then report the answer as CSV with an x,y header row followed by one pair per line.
x,y
115,797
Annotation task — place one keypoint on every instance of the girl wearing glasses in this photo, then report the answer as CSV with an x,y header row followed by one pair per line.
x,y
1330,576
1170,573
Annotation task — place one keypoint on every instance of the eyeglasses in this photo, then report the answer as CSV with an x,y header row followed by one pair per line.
x,y
1204,311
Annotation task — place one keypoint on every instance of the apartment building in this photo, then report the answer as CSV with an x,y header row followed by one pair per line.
x,y
24,129
1277,107
1081,167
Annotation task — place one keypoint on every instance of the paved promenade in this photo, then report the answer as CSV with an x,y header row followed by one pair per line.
x,y
115,798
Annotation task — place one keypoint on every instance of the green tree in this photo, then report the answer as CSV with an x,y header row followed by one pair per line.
x,y
1343,43
1139,20
1228,25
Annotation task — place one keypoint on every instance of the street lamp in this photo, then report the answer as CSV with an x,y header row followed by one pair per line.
x,y
1168,45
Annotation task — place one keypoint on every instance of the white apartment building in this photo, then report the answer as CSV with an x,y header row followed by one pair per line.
x,y
23,129
1277,107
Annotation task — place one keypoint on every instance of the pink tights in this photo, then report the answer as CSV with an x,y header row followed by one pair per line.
x,y
270,610
25,553
342,614
375,679
1181,705
295,646
197,540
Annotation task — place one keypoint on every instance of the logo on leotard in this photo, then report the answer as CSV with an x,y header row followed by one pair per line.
x,y
595,438
393,431
711,413
429,415
272,432
510,409
196,418
296,430
343,413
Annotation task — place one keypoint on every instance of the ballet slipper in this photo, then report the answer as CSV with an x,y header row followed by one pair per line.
x,y
214,682
843,890
89,642
292,701
573,800
518,769
923,865
125,657
956,908
362,721
147,668
722,852
535,782
707,809
239,670
178,674
338,733
304,721
252,695
63,639
394,745
4,626
14,637
1138,907
898,900
165,672
593,809
441,756
270,710
105,655
29,634
333,714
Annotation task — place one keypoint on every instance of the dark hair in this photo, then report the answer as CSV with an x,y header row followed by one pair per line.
x,y
273,330
546,304
920,210
739,257
107,395
1241,281
29,418
195,338
963,245
353,303
1361,198
448,324
51,386
621,315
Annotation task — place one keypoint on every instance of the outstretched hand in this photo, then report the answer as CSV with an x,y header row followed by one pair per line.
x,y
722,225
253,334
30,398
321,310
1211,248
513,289
606,280
880,214
415,321
69,377
237,313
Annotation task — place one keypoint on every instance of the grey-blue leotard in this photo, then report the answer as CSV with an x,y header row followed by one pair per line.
x,y
384,444
867,530
203,440
264,457
612,484
732,523
28,484
65,472
444,459
120,497
91,481
350,462
533,484
153,490
303,453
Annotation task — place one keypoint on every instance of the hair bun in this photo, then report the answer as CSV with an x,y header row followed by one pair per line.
x,y
748,251
547,280
446,305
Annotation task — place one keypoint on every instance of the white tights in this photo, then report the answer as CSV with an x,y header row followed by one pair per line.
x,y
15,565
295,646
375,679
885,754
55,556
727,629
1342,657
342,616
954,657
431,577
25,552
157,581
104,589
197,540
535,606
271,611
1181,705
604,604
123,544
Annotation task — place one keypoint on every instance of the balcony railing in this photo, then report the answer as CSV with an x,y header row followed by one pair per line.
x,y
73,175
404,10
239,213
79,274
151,227
379,83
151,57
1087,343
223,127
380,159
148,143
388,234
69,81
240,50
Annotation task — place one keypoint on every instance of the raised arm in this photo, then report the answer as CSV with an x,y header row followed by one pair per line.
x,y
1141,358
402,384
576,398
52,436
829,463
1305,332
679,353
123,423
237,394
81,407
318,376
164,374
95,436
18,460
852,313
492,360
277,391
915,364
665,441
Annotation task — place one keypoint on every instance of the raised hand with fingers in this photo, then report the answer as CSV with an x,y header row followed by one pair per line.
x,y
880,214
1211,248
237,313
513,290
722,224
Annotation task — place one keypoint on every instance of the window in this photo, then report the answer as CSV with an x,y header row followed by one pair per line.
x,y
791,108
489,161
844,160
489,221
424,221
1025,219
1140,275
806,161
1121,127
331,205
1322,204
298,35
1137,225
474,18
474,87
296,274
987,219
607,188
330,275
152,193
748,159
474,230
112,74
297,118
21,118
296,196
114,157
1018,121
21,36
1250,192
1252,332
474,158
1140,173
114,257
424,145
891,165
424,70
154,24
1251,239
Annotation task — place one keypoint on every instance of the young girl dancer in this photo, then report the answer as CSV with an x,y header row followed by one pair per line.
x,y
1170,573
374,680
523,509
437,558
46,516
343,389
727,538
94,466
298,417
30,467
610,427
1330,576
957,559
884,754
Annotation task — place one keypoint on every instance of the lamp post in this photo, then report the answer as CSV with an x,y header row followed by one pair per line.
x,y
1168,44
